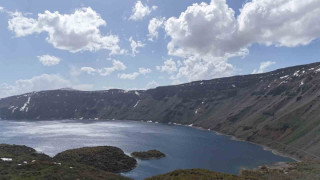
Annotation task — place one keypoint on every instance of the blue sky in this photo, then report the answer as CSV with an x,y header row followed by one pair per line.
x,y
218,43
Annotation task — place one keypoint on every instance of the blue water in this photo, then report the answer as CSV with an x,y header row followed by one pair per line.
x,y
185,147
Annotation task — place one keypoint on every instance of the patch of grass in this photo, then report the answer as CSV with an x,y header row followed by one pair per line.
x,y
198,174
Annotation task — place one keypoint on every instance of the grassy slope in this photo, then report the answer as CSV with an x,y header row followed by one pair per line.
x,y
192,174
292,171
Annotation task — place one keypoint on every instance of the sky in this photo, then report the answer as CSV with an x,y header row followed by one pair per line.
x,y
133,44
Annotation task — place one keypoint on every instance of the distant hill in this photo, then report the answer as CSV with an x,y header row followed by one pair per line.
x,y
278,109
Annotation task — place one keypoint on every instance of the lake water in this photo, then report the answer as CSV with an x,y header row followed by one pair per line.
x,y
185,147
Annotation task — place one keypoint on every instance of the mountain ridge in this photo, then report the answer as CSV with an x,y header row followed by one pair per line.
x,y
277,109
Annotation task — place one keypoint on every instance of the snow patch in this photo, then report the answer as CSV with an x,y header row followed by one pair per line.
x,y
6,159
137,93
24,107
136,104
302,83
284,77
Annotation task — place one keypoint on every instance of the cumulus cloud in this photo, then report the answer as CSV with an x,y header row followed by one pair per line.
x,y
1,9
287,23
134,45
116,66
263,67
39,83
139,11
194,69
206,35
154,25
202,30
72,32
134,75
202,35
48,60
169,66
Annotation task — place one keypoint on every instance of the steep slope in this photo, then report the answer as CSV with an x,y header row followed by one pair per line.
x,y
279,109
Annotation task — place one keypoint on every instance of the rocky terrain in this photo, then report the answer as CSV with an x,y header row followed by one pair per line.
x,y
199,174
309,170
24,163
278,109
146,155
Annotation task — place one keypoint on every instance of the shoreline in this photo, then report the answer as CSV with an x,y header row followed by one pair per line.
x,y
266,148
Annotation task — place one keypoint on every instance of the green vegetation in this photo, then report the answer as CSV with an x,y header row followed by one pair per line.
x,y
151,154
308,170
107,158
192,174
24,163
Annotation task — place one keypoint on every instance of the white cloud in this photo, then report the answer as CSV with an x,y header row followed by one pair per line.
x,y
287,23
202,35
152,84
48,60
154,25
202,30
144,71
88,70
207,35
72,32
139,11
116,66
39,83
205,68
134,75
134,45
263,67
129,76
1,9
169,66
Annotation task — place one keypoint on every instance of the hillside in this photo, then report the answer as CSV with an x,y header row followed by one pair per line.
x,y
278,109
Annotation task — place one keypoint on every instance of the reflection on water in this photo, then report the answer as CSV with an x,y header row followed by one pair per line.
x,y
185,147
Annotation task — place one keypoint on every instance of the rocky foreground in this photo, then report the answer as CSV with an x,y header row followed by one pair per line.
x,y
289,171
104,162
96,163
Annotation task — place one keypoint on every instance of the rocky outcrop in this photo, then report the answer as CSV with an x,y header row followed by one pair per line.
x,y
107,158
146,155
22,162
